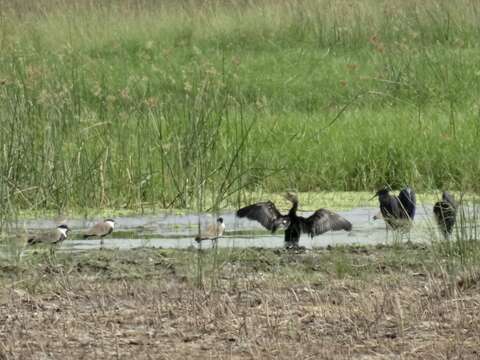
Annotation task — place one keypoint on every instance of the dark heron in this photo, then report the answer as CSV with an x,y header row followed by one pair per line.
x,y
445,212
212,232
50,237
397,211
320,221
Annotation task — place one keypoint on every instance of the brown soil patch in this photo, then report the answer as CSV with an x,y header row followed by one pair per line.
x,y
257,315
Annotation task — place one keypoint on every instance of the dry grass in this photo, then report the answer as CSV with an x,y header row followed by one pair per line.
x,y
89,311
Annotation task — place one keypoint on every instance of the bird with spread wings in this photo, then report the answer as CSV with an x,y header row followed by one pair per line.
x,y
267,214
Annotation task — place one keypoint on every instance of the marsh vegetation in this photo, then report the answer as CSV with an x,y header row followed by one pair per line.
x,y
185,104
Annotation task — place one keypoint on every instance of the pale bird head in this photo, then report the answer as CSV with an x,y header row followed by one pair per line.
x,y
110,222
64,229
291,197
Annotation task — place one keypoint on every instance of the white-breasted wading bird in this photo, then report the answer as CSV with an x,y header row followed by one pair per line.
x,y
212,232
100,229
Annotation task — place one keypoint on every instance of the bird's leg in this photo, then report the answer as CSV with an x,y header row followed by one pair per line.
x,y
397,237
101,243
291,244
409,235
52,255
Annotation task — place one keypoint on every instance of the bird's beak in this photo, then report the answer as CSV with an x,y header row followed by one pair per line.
x,y
373,197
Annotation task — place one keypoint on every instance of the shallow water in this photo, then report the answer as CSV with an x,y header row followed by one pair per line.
x,y
178,231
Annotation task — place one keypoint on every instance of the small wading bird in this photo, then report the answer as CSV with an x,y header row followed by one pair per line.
x,y
54,237
320,221
212,232
100,229
445,212
397,211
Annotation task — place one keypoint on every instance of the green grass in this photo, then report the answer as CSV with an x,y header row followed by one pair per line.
x,y
318,265
230,267
183,104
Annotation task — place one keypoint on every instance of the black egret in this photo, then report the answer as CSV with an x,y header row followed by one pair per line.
x,y
320,221
212,232
397,211
50,237
445,212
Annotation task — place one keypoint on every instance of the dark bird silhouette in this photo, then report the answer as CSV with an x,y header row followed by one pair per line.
x,y
212,232
408,200
100,229
50,237
320,221
397,211
445,212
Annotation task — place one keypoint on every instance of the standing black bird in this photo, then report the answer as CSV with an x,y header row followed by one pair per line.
x,y
320,221
445,212
397,211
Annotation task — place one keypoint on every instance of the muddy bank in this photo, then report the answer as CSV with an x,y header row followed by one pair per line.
x,y
363,302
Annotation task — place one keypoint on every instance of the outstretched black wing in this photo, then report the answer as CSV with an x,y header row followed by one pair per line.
x,y
408,201
265,213
324,220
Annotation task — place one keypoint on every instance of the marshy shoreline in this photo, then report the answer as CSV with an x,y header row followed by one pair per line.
x,y
370,302
115,108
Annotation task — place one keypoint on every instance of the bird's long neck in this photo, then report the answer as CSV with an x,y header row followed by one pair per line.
x,y
293,210
62,232
385,199
389,205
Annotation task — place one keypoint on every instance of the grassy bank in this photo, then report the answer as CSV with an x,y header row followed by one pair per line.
x,y
369,302
184,104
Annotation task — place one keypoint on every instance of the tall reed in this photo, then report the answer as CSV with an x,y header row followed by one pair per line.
x,y
184,104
